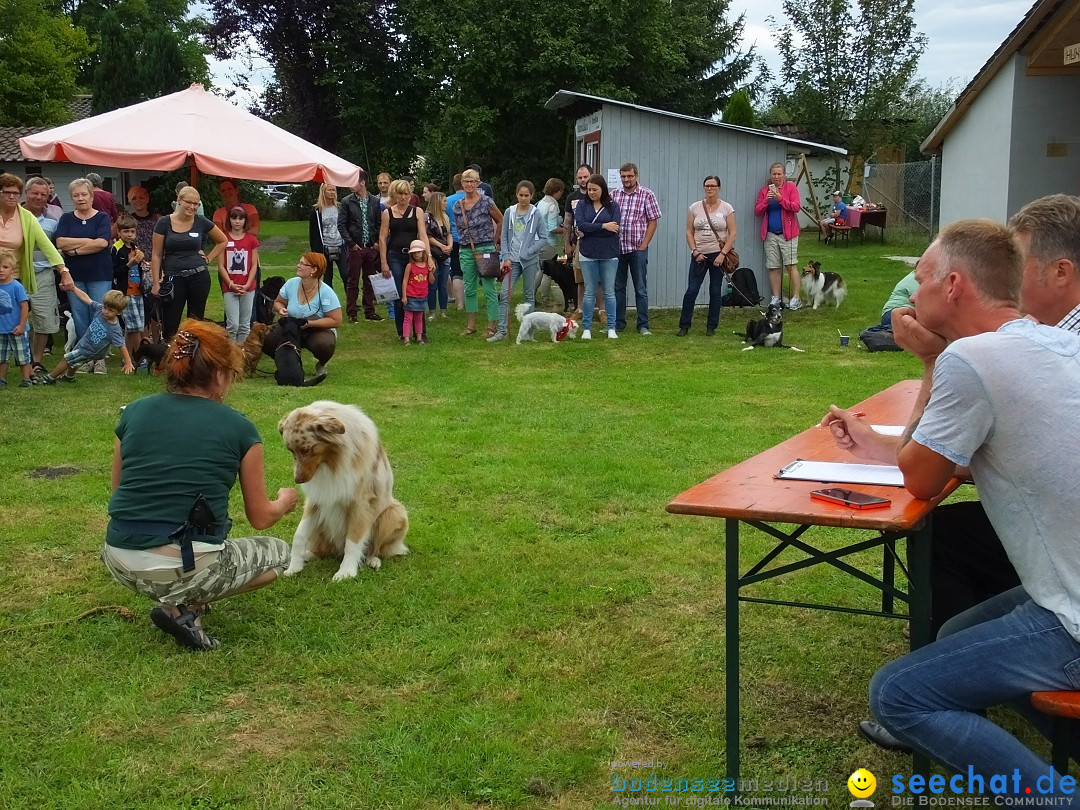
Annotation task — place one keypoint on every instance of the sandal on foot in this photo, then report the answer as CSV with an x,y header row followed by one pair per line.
x,y
183,628
489,332
469,331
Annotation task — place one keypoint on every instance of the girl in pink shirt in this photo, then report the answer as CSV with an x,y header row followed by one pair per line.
x,y
417,278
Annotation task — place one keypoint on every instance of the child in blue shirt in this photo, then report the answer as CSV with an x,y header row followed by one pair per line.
x,y
14,310
104,331
128,279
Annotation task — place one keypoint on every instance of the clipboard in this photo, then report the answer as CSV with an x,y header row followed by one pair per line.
x,y
842,472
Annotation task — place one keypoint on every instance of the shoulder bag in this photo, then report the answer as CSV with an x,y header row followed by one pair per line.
x,y
731,260
487,264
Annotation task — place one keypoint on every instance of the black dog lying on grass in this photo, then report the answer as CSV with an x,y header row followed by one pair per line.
x,y
290,371
563,275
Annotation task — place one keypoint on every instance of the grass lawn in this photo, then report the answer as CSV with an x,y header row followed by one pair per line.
x,y
551,619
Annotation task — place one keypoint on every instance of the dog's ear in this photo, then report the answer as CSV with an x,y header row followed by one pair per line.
x,y
329,425
281,424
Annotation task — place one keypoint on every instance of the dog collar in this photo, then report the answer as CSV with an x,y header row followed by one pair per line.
x,y
562,333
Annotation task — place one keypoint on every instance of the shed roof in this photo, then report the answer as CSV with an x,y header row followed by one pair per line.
x,y
586,103
9,136
1035,28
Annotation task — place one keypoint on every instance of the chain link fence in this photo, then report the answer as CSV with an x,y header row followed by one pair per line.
x,y
910,191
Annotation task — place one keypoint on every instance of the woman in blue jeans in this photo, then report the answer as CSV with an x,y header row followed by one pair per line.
x,y
401,224
710,235
522,226
442,243
597,220
84,236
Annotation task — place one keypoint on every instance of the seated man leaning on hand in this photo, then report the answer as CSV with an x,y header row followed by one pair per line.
x,y
996,389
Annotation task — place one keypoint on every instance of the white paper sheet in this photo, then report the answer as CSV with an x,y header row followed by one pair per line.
x,y
384,288
842,472
889,430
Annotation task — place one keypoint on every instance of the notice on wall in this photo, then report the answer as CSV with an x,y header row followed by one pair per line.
x,y
1072,54
613,180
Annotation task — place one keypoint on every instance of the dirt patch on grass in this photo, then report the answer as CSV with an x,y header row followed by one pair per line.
x,y
52,473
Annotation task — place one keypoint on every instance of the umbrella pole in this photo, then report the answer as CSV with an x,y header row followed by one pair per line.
x,y
194,175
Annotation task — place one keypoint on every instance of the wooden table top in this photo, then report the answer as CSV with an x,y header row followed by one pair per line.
x,y
750,491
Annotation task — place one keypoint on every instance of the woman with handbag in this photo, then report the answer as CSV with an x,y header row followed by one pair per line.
x,y
402,223
597,220
442,243
710,234
479,222
178,262
323,233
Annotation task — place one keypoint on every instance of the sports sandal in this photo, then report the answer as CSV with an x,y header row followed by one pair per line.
x,y
183,628
469,331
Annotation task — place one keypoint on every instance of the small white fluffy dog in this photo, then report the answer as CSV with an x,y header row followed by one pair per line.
x,y
559,327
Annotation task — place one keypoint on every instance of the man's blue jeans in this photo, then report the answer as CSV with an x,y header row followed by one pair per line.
x,y
998,652
637,264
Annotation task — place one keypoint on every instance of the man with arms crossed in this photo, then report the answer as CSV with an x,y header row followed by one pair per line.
x,y
359,225
995,387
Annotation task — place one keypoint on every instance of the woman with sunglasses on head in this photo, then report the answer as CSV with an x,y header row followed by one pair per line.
x,y
167,537
308,297
236,267
710,235
402,224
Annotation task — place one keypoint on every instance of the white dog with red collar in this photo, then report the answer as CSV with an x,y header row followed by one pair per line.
x,y
559,327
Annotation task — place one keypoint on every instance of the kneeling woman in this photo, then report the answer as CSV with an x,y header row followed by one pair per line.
x,y
307,296
169,511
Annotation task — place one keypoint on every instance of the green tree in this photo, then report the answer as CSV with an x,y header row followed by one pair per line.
x,y
920,111
739,111
42,50
846,67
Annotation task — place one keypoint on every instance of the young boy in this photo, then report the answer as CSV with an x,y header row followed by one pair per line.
x,y
127,278
14,310
104,330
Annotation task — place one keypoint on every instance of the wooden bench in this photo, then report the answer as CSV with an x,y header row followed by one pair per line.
x,y
1064,709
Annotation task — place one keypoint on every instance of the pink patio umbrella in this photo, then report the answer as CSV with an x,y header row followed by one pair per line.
x,y
165,133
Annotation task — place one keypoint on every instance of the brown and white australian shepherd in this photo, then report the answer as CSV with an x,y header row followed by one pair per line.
x,y
349,509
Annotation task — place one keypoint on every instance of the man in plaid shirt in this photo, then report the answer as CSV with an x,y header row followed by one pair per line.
x,y
640,213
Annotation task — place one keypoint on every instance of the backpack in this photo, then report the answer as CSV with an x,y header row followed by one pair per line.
x,y
878,338
742,289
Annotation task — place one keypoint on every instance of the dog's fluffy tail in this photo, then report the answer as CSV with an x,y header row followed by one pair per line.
x,y
523,309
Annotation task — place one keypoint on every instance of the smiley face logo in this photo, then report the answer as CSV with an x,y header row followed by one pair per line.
x,y
861,783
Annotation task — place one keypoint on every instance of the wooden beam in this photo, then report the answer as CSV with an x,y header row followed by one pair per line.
x,y
1047,36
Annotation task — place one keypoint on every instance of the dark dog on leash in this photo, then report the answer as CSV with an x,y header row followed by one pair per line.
x,y
769,331
152,353
268,293
290,370
563,275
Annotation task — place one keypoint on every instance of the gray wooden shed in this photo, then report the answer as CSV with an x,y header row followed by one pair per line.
x,y
674,153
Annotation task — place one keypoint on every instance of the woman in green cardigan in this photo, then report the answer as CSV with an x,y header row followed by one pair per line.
x,y
28,235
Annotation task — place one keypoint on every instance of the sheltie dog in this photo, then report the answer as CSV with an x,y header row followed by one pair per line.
x,y
350,510
820,287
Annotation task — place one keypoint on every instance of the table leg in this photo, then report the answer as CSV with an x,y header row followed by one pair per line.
x,y
888,573
731,646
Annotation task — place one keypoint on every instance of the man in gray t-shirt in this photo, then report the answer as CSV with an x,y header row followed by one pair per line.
x,y
995,388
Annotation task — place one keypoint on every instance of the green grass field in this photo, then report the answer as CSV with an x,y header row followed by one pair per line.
x,y
552,618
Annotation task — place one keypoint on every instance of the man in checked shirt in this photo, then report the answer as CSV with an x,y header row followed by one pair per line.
x,y
640,214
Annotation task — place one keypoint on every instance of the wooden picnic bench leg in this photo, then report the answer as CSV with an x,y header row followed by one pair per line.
x,y
731,645
918,548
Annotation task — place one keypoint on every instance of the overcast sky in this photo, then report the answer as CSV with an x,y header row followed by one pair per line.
x,y
962,34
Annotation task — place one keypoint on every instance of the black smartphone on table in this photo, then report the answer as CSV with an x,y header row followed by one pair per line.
x,y
850,498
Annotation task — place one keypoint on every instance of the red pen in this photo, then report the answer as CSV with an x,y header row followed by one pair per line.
x,y
858,413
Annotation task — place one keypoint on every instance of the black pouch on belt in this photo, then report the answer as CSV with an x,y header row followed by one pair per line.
x,y
201,516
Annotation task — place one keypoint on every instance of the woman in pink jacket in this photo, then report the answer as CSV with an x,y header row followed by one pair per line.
x,y
778,205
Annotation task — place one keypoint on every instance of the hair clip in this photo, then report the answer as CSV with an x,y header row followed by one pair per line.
x,y
188,347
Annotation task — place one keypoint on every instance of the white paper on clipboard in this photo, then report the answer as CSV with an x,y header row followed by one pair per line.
x,y
842,472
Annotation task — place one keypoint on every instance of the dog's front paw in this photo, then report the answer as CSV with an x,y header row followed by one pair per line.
x,y
374,563
344,573
293,570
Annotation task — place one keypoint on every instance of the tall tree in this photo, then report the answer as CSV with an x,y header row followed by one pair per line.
x,y
739,111
41,50
846,67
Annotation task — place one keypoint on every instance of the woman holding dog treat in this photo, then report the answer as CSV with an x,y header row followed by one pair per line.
x,y
597,219
308,297
710,234
167,537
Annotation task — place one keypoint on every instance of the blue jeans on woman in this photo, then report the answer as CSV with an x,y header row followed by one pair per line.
x,y
999,651
693,285
598,271
437,289
517,270
81,313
